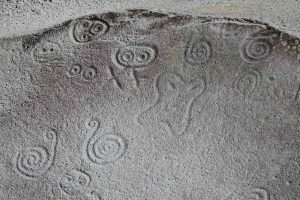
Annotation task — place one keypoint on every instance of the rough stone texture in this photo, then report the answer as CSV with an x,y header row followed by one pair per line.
x,y
146,105
27,16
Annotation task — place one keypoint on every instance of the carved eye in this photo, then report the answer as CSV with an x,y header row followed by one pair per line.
x,y
83,25
48,48
89,73
75,70
127,56
98,27
143,56
68,178
85,37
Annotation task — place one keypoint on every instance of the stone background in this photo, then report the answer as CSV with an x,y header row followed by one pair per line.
x,y
18,17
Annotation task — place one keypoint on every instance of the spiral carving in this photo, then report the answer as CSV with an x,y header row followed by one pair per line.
x,y
198,52
35,161
32,161
105,149
256,49
92,125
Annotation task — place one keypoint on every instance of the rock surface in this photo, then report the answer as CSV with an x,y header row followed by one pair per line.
x,y
18,17
148,105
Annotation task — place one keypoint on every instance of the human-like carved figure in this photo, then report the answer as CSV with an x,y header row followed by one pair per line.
x,y
46,52
87,29
132,58
172,107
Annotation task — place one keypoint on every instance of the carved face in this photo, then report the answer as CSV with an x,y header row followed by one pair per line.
x,y
74,182
135,56
46,52
86,30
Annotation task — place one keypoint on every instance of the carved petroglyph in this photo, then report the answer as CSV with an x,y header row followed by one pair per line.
x,y
276,87
291,45
134,57
85,73
172,107
86,29
77,183
250,193
247,82
198,52
89,73
209,121
74,70
45,52
114,78
74,182
32,162
103,148
129,60
257,48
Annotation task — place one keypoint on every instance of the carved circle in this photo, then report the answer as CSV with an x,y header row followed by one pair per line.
x,y
198,52
46,52
83,25
134,57
98,27
105,149
84,37
256,49
89,73
75,70
91,124
87,30
143,56
126,57
33,161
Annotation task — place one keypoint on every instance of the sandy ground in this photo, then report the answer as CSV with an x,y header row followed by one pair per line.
x,y
18,17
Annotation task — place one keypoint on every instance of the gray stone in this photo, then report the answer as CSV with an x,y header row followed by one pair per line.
x,y
149,105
